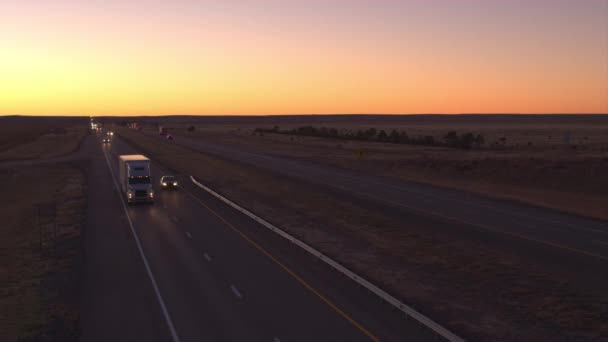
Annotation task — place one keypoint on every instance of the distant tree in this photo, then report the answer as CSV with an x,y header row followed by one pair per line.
x,y
479,140
466,141
370,133
323,131
394,136
451,139
382,136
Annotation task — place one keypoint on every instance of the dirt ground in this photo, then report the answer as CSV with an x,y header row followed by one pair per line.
x,y
557,162
21,130
40,270
48,143
494,293
39,298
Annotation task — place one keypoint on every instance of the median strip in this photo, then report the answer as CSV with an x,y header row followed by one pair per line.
x,y
409,311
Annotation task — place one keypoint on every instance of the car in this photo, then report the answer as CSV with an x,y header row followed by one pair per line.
x,y
169,137
168,182
106,140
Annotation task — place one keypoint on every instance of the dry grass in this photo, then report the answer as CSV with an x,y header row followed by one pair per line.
x,y
36,280
494,293
54,143
569,175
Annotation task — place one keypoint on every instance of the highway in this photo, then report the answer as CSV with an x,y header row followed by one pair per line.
x,y
191,268
545,228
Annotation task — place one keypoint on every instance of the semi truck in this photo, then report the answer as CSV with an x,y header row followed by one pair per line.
x,y
136,178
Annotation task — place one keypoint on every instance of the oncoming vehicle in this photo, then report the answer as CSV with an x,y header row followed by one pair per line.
x,y
168,182
106,140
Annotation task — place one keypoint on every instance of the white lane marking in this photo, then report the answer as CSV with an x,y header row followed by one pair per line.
x,y
236,292
188,234
207,256
159,297
411,312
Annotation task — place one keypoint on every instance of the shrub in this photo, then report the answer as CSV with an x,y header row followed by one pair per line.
x,y
394,136
466,141
371,133
382,136
451,139
479,140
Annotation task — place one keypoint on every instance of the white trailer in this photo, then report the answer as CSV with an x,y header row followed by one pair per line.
x,y
136,178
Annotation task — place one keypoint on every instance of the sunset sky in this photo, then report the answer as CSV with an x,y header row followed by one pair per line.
x,y
104,57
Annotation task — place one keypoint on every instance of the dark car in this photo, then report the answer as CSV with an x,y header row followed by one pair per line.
x,y
106,140
168,182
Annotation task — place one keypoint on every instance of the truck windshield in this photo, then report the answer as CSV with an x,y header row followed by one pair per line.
x,y
139,180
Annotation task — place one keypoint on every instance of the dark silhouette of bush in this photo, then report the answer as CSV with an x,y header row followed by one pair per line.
x,y
370,133
394,137
382,136
479,140
466,141
451,139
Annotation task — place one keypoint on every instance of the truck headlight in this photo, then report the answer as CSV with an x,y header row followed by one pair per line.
x,y
164,184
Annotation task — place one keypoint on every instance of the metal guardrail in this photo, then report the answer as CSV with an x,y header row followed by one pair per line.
x,y
409,311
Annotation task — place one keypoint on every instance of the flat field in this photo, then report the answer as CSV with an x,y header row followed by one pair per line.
x,y
478,286
559,162
39,266
39,137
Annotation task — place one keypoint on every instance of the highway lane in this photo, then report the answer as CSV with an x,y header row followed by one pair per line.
x,y
224,278
117,300
548,228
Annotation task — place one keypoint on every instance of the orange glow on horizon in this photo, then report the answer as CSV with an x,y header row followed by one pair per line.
x,y
81,62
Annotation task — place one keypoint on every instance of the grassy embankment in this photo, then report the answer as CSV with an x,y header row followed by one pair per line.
x,y
529,163
494,292
39,142
39,292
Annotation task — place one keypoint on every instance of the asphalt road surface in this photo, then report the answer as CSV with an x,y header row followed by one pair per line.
x,y
573,247
539,226
190,268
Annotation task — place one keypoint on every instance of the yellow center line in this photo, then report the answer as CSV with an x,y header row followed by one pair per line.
x,y
290,272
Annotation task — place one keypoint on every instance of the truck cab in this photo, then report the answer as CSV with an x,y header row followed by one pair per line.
x,y
136,178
